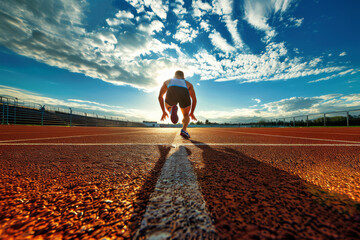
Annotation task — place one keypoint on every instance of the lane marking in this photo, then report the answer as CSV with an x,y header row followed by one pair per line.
x,y
75,136
7,133
350,134
85,144
304,138
315,132
175,146
275,144
176,209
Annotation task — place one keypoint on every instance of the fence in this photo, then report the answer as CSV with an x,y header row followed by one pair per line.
x,y
338,118
14,112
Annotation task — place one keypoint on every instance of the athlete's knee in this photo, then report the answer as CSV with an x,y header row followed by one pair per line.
x,y
186,114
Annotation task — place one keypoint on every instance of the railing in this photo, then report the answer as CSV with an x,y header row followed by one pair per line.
x,y
13,111
336,118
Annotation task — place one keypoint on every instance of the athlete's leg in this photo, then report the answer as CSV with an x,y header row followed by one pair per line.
x,y
186,119
173,112
168,107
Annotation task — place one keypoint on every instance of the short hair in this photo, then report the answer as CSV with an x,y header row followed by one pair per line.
x,y
179,74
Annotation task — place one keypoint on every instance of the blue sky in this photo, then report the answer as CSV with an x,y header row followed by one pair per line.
x,y
247,59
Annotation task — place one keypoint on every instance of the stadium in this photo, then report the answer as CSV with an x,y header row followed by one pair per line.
x,y
101,138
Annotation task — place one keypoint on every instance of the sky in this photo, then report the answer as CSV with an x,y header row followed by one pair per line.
x,y
247,59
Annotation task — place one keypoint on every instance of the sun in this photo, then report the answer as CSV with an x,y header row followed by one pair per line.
x,y
165,74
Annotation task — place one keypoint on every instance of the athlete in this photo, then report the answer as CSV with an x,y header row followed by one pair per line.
x,y
178,90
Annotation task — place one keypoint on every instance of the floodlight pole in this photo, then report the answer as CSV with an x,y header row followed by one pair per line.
x,y
3,112
42,114
347,119
70,117
307,120
15,103
7,111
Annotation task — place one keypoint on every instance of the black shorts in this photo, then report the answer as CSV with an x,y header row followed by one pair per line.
x,y
177,95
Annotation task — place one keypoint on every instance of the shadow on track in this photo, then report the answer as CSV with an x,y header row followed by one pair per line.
x,y
249,199
143,196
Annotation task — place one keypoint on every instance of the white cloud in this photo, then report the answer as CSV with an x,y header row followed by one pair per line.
x,y
205,25
342,54
185,33
256,100
152,28
56,35
93,103
122,18
281,5
258,12
220,43
332,76
224,8
158,7
346,72
315,62
179,9
298,22
126,51
207,65
272,65
352,97
269,35
294,22
287,107
200,8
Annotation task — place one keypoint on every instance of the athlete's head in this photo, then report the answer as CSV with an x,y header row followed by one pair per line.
x,y
179,75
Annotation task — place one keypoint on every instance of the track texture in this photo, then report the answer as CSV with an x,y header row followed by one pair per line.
x,y
251,199
76,192
252,191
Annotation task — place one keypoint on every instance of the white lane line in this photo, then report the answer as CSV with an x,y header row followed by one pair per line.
x,y
275,144
185,144
177,209
85,144
62,137
8,133
349,134
331,133
304,138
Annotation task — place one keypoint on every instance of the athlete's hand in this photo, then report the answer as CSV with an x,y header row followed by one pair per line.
x,y
164,116
191,115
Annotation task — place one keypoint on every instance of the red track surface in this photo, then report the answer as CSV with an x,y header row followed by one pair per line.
x,y
252,190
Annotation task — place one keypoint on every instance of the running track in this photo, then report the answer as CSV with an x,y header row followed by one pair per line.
x,y
62,182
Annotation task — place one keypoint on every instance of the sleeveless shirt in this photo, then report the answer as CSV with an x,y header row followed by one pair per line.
x,y
174,82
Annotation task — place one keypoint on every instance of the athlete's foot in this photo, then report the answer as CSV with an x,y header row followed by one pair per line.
x,y
173,114
184,134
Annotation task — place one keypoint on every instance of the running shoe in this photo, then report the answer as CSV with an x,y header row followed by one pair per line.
x,y
184,134
173,114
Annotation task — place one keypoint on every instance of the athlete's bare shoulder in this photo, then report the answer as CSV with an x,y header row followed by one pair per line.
x,y
166,83
188,84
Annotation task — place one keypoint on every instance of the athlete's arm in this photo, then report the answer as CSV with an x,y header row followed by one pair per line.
x,y
194,101
161,101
